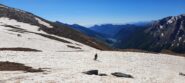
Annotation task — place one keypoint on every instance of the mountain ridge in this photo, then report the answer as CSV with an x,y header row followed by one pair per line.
x,y
49,27
164,34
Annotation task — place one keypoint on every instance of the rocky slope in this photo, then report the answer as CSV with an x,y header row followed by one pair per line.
x,y
165,34
124,34
109,30
97,36
49,27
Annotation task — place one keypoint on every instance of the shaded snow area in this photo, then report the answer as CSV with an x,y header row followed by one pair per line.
x,y
67,67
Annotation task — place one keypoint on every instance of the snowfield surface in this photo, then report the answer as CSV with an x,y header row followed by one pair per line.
x,y
7,21
43,23
67,67
64,64
10,39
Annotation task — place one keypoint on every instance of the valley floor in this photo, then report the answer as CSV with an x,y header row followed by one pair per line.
x,y
67,67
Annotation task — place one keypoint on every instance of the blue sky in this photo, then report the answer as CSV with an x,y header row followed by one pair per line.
x,y
89,12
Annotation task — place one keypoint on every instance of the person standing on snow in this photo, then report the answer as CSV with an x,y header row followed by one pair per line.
x,y
95,56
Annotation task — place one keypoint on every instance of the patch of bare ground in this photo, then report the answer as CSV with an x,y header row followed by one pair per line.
x,y
144,51
172,53
52,37
17,29
73,47
12,66
135,50
20,49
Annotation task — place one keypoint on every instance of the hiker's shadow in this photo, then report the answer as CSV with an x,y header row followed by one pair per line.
x,y
97,61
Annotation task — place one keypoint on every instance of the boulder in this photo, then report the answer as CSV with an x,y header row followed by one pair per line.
x,y
102,74
91,72
119,74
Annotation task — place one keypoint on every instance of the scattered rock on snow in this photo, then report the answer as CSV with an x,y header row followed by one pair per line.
x,y
119,74
18,35
94,72
102,74
182,74
91,72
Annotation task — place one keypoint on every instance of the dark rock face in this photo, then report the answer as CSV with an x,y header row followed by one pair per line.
x,y
169,33
164,34
124,34
116,35
107,29
119,74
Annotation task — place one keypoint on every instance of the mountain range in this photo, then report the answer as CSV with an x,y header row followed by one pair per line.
x,y
112,35
166,34
36,50
101,37
157,36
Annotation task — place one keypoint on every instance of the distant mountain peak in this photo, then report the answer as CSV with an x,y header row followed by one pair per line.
x,y
167,33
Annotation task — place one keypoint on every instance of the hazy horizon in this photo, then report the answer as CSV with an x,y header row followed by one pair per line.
x,y
91,12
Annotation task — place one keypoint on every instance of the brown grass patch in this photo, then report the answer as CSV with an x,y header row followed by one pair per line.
x,y
135,50
20,49
17,29
73,47
11,66
144,51
52,38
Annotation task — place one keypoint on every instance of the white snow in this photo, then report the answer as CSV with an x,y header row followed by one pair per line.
x,y
43,23
31,40
67,67
12,22
162,34
161,27
170,21
180,38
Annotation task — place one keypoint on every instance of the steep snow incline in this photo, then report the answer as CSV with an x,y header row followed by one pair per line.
x,y
67,67
12,22
18,34
43,23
